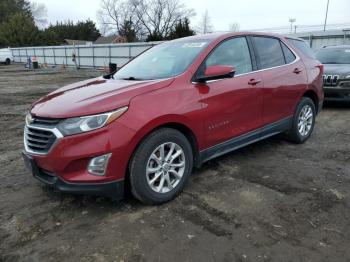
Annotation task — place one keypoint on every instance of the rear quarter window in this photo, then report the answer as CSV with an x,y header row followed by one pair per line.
x,y
302,47
288,55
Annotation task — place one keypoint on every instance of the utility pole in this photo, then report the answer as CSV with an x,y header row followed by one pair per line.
x,y
291,21
325,20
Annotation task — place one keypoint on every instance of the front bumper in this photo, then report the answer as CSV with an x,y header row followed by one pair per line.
x,y
69,156
337,94
113,190
65,165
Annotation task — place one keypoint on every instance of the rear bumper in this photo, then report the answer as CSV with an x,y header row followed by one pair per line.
x,y
113,190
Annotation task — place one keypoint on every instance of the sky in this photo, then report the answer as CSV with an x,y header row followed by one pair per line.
x,y
249,14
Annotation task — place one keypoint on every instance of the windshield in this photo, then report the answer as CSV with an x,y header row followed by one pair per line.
x,y
334,56
162,61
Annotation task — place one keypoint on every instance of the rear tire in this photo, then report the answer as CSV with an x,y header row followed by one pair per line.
x,y
8,61
303,121
161,166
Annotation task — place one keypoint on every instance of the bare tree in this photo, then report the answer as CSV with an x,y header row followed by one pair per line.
x,y
234,27
39,12
159,17
152,18
113,15
205,26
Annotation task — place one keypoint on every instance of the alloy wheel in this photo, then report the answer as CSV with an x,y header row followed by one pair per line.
x,y
165,167
305,122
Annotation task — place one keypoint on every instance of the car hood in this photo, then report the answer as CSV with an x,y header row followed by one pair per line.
x,y
93,96
342,70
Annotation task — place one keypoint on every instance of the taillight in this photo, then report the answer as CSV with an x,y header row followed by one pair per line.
x,y
321,67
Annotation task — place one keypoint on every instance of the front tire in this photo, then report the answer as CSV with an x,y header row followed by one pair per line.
x,y
161,166
7,61
303,121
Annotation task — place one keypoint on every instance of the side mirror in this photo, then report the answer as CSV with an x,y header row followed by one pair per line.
x,y
217,72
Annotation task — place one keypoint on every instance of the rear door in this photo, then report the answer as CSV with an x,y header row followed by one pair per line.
x,y
233,106
284,76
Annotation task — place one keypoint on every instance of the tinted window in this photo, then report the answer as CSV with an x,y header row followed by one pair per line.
x,y
233,52
334,55
288,55
269,52
302,47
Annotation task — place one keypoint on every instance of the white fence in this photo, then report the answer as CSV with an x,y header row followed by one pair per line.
x,y
102,55
86,55
333,37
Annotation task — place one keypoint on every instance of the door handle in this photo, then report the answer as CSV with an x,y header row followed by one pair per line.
x,y
254,82
296,71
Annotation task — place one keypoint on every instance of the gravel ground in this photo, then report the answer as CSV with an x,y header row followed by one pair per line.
x,y
271,201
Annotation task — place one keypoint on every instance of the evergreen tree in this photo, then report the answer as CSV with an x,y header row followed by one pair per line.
x,y
68,30
181,29
127,30
19,30
154,36
10,7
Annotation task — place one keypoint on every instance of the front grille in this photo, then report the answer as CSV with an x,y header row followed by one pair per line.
x,y
38,140
42,121
330,80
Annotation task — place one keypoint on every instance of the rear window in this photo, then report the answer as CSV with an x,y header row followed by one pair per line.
x,y
302,47
269,52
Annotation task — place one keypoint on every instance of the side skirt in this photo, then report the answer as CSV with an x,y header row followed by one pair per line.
x,y
246,139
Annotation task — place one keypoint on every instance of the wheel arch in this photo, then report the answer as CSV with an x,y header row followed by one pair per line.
x,y
176,124
189,134
313,96
150,128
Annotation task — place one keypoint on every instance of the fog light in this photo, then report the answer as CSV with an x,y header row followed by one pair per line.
x,y
98,165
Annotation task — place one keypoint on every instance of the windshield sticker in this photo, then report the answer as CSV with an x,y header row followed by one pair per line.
x,y
194,45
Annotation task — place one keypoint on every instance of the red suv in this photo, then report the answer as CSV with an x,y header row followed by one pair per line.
x,y
173,107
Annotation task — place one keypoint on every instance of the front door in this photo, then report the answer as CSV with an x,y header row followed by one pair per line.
x,y
232,106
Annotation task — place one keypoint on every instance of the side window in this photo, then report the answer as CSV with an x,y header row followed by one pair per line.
x,y
232,52
288,55
302,46
269,52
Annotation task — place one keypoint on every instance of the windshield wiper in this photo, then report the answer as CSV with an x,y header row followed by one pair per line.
x,y
331,63
109,76
132,78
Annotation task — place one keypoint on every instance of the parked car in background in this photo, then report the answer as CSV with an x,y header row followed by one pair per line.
x,y
175,106
336,78
6,56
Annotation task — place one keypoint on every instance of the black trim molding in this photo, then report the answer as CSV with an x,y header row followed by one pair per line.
x,y
113,190
246,139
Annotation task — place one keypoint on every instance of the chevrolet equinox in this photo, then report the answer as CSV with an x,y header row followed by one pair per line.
x,y
173,107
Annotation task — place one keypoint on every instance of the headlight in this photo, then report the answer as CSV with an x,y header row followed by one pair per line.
x,y
29,119
76,125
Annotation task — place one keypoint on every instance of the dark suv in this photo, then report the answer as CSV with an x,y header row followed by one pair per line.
x,y
336,78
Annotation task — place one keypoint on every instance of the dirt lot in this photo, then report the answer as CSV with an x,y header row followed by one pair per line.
x,y
272,201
